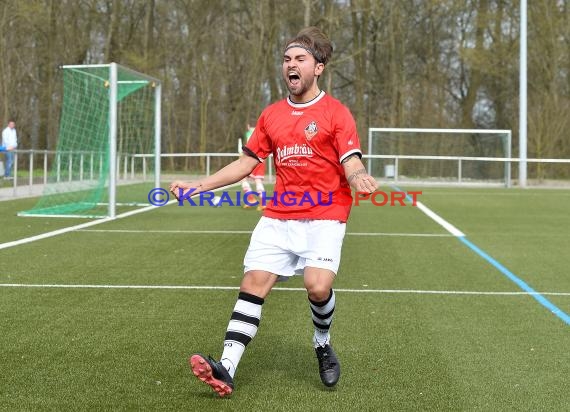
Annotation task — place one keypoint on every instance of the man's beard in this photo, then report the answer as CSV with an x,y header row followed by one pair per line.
x,y
298,90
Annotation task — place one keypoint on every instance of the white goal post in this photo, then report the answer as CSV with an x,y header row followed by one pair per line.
x,y
115,80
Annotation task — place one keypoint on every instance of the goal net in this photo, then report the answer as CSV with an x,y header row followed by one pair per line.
x,y
108,147
454,156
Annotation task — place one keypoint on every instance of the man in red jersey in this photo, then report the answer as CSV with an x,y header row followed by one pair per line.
x,y
314,142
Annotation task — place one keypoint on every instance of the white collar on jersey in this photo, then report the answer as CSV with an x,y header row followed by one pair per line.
x,y
306,104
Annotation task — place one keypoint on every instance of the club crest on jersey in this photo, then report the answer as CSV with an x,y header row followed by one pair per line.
x,y
311,130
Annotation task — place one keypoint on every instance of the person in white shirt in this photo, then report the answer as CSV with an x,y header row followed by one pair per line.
x,y
10,143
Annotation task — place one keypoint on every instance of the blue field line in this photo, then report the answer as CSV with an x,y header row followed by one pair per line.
x,y
514,278
520,283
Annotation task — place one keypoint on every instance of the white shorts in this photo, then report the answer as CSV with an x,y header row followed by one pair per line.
x,y
286,247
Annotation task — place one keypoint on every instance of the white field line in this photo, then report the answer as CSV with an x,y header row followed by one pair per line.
x,y
71,228
539,297
85,225
213,232
442,222
399,234
280,289
224,232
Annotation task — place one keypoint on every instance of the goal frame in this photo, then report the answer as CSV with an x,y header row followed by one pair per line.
x,y
113,86
507,145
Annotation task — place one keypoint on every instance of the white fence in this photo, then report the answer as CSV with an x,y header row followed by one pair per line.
x,y
392,173
32,167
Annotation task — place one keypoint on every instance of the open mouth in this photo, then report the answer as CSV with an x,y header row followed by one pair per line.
x,y
294,78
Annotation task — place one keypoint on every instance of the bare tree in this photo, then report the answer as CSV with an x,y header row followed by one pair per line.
x,y
400,63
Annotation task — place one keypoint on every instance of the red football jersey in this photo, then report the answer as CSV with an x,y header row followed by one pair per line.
x,y
308,141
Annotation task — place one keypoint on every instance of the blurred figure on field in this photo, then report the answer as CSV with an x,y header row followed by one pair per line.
x,y
9,143
257,175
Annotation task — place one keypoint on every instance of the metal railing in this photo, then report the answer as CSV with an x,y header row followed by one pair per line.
x,y
31,168
396,175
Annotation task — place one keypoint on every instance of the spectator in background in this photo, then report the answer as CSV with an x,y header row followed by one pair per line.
x,y
10,143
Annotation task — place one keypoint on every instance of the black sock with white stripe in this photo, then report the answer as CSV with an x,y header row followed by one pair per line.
x,y
241,329
322,314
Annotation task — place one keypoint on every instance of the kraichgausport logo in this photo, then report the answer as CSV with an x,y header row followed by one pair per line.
x,y
160,197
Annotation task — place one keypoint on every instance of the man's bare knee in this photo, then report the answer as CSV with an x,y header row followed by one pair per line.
x,y
319,293
258,283
318,283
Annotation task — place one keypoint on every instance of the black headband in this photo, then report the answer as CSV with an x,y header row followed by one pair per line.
x,y
311,51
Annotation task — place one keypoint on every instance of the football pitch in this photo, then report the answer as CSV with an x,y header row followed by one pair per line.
x,y
104,317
